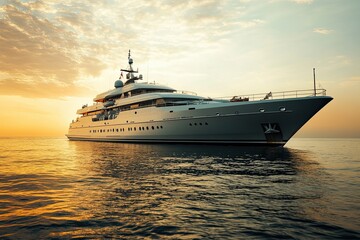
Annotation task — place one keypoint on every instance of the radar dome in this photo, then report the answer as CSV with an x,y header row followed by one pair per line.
x,y
118,84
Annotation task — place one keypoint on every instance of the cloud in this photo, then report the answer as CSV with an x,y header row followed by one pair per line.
x,y
251,23
322,31
51,44
39,54
303,1
39,89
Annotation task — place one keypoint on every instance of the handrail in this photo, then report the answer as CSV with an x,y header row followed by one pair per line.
x,y
186,92
276,95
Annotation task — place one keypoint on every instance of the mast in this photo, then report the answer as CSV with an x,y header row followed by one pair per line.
x,y
314,82
130,77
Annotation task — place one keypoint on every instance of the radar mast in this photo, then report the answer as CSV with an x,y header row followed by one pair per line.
x,y
130,77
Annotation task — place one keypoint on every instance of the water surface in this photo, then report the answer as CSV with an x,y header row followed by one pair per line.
x,y
60,189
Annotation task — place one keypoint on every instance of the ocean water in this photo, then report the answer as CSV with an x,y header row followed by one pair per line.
x,y
52,188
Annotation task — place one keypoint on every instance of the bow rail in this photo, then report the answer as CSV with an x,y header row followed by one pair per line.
x,y
275,95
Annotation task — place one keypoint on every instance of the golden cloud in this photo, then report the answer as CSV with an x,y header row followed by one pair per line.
x,y
54,44
38,54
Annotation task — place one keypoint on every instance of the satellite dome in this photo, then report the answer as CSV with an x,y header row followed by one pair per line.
x,y
118,84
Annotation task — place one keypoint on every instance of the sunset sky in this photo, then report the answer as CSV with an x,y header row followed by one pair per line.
x,y
56,56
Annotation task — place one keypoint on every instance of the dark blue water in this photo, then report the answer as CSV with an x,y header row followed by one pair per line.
x,y
59,189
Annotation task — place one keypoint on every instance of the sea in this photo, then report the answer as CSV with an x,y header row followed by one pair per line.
x,y
52,188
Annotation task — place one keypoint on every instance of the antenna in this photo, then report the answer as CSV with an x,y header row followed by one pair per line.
x,y
147,72
314,82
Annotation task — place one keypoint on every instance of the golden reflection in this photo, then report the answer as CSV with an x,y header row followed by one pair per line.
x,y
143,184
99,188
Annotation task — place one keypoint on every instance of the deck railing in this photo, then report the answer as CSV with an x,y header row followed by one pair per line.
x,y
186,92
276,95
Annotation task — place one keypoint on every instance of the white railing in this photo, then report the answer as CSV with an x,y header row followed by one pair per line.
x,y
186,92
276,95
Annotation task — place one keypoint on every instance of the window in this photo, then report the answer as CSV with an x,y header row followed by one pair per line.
x,y
152,128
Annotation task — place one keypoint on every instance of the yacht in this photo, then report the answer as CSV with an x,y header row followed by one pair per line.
x,y
138,111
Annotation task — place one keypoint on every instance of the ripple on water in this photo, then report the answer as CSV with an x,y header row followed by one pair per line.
x,y
106,190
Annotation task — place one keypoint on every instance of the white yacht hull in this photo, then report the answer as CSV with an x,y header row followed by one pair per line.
x,y
266,122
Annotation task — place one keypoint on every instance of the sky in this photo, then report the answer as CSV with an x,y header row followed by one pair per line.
x,y
56,56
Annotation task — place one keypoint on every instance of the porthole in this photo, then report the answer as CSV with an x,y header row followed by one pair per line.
x,y
261,110
200,124
143,128
283,109
195,124
206,123
157,127
217,114
135,112
134,128
190,124
171,111
152,127
117,130
147,128
161,127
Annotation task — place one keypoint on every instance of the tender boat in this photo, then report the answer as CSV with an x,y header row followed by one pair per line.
x,y
138,111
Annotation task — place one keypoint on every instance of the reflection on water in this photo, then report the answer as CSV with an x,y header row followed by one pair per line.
x,y
61,189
